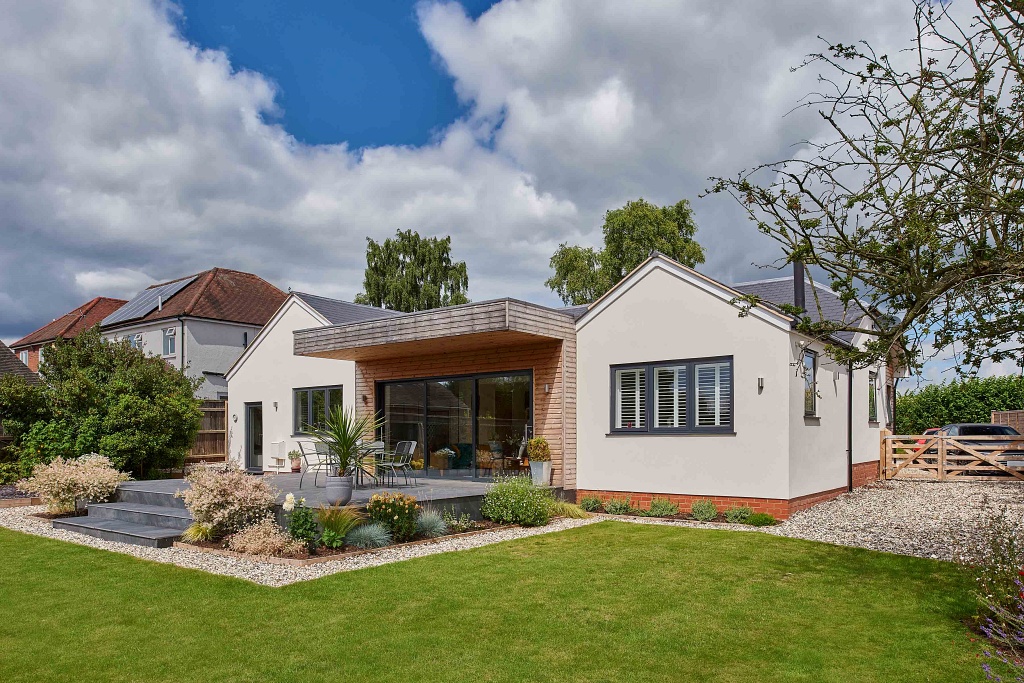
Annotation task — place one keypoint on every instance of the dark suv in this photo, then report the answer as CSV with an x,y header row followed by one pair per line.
x,y
968,430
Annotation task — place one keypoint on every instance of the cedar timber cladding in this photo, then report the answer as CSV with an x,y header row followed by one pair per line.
x,y
491,336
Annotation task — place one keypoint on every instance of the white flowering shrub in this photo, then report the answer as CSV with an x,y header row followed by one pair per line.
x,y
226,497
61,482
516,500
265,538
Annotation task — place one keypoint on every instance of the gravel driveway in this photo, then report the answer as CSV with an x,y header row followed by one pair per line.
x,y
926,519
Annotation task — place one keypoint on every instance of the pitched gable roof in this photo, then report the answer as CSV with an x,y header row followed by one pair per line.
x,y
338,312
71,323
215,294
11,365
779,291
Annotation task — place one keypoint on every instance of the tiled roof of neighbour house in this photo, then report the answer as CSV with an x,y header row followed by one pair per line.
x,y
11,365
215,294
779,291
73,322
338,312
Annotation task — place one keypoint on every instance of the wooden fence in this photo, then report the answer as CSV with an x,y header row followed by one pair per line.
x,y
212,442
953,458
1011,418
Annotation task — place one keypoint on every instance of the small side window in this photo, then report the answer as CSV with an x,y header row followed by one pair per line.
x,y
810,383
872,397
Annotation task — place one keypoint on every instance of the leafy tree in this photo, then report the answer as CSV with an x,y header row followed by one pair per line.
x,y
913,208
630,235
969,400
411,273
102,397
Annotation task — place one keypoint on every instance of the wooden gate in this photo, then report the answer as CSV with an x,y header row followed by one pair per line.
x,y
212,441
956,458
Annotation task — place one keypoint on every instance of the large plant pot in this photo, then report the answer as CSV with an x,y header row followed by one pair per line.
x,y
339,490
541,472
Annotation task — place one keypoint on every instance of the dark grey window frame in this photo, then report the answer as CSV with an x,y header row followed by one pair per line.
x,y
299,430
814,384
873,397
650,418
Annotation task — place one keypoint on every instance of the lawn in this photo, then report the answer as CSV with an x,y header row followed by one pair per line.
x,y
606,602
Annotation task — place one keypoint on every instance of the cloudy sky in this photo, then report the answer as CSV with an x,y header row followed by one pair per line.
x,y
141,141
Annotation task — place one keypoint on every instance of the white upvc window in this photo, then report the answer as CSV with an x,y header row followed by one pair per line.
x,y
23,356
42,349
170,347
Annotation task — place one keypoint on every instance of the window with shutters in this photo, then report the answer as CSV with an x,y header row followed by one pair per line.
x,y
673,397
631,398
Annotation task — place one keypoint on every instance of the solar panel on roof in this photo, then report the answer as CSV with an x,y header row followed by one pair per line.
x,y
146,302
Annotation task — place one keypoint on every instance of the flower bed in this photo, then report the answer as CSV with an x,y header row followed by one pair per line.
x,y
663,509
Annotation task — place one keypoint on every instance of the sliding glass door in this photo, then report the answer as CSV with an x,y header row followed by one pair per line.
x,y
470,426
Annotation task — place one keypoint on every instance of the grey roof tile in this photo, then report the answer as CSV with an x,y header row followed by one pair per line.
x,y
779,291
340,312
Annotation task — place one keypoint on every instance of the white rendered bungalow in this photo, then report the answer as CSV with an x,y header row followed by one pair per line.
x,y
659,388
679,396
273,394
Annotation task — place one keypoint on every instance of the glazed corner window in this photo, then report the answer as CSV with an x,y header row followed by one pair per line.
x,y
667,397
810,383
169,337
312,406
872,397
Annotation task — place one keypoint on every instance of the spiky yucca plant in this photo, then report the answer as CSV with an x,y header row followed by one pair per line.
x,y
342,433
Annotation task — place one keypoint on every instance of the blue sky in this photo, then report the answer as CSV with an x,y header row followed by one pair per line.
x,y
358,72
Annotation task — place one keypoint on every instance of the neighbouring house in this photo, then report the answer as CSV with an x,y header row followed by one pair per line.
x,y
31,348
10,364
659,388
201,322
274,395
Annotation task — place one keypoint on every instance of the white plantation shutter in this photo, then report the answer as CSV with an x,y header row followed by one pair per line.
x,y
670,396
714,395
631,399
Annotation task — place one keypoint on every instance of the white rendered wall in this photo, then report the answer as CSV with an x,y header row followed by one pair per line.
x,y
269,374
663,317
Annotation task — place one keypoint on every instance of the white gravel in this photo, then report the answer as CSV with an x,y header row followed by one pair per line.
x,y
266,573
925,519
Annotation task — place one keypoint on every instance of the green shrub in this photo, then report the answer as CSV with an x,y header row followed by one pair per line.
x,y
761,519
590,503
537,449
704,510
397,512
515,500
104,397
618,506
373,535
332,539
456,523
10,472
339,520
430,524
302,525
561,508
969,400
738,515
662,507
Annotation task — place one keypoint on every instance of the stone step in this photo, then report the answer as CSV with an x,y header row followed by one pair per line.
x,y
138,492
120,530
140,513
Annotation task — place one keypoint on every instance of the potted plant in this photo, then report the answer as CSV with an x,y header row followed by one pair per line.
x,y
539,453
342,434
296,460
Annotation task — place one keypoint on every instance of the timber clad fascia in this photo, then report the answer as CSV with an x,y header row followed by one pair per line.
x,y
503,315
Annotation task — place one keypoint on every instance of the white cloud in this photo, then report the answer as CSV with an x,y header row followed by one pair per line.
x,y
125,151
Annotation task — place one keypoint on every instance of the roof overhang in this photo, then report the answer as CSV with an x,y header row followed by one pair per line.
x,y
469,327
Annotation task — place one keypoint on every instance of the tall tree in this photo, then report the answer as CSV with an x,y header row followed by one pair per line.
x,y
411,273
631,233
913,208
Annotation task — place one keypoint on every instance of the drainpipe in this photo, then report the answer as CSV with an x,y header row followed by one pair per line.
x,y
849,427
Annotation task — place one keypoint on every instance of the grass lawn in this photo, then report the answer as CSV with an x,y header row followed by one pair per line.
x,y
607,602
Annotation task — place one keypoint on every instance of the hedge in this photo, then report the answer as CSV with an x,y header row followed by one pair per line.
x,y
970,400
